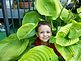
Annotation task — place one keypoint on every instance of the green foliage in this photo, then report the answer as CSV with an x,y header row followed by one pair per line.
x,y
52,39
75,31
79,12
29,23
26,31
48,8
67,38
39,53
11,47
70,53
67,15
64,15
31,17
68,41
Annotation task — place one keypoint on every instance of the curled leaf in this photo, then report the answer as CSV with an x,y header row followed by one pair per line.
x,y
26,31
62,36
48,8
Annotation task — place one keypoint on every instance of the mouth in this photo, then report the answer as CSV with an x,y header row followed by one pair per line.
x,y
46,38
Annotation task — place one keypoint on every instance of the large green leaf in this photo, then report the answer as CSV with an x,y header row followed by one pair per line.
x,y
31,17
41,53
70,53
62,36
26,31
11,47
48,8
64,41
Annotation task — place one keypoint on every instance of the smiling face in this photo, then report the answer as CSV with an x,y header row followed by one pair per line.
x,y
44,33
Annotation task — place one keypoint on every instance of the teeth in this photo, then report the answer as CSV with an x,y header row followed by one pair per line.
x,y
46,38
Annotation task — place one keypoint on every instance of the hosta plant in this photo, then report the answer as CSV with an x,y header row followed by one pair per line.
x,y
67,39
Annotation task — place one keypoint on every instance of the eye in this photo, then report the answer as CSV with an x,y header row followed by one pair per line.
x,y
48,31
41,32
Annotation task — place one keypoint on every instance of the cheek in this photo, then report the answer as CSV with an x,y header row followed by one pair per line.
x,y
49,34
40,36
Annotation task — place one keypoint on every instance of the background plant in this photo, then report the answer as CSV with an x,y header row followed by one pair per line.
x,y
66,28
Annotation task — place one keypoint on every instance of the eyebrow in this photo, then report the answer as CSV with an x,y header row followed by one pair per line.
x,y
46,31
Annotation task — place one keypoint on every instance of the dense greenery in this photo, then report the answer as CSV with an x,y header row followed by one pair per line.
x,y
66,28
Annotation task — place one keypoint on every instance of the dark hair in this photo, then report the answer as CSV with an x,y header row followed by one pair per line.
x,y
43,23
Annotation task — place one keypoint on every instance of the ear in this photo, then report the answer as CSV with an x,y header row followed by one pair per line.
x,y
36,34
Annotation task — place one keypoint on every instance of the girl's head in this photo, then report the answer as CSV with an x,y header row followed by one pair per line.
x,y
44,31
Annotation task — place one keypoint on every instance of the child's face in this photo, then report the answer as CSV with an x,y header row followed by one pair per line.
x,y
44,33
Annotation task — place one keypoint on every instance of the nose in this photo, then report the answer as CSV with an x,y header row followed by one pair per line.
x,y
45,34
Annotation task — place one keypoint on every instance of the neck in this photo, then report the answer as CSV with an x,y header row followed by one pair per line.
x,y
44,43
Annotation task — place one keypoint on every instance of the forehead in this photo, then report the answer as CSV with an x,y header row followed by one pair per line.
x,y
43,27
